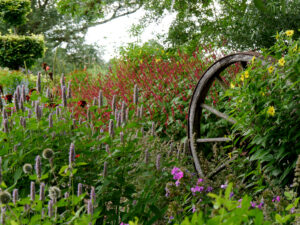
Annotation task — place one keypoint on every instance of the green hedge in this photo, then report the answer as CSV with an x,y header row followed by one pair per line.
x,y
15,50
14,12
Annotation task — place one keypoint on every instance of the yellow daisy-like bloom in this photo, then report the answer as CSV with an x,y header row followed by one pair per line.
x,y
253,59
289,33
242,77
271,111
232,85
295,48
281,61
246,74
271,69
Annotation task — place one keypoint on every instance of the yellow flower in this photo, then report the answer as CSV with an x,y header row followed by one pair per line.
x,y
246,74
289,33
141,61
157,60
242,77
271,69
232,85
263,93
230,155
253,59
271,111
295,48
281,61
277,36
162,51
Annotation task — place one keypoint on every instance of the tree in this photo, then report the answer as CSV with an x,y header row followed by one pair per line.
x,y
15,50
242,24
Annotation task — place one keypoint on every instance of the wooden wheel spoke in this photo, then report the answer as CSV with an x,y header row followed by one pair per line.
x,y
222,83
220,139
217,113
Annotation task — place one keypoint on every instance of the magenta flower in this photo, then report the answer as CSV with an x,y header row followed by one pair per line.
x,y
276,199
177,173
200,180
197,189
177,183
193,209
253,204
209,189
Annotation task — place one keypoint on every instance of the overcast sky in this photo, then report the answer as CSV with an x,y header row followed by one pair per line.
x,y
114,34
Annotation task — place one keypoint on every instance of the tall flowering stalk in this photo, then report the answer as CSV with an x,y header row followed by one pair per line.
x,y
32,191
64,96
135,94
71,155
38,83
38,166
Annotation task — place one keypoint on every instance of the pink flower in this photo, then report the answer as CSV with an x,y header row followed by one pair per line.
x,y
177,183
200,180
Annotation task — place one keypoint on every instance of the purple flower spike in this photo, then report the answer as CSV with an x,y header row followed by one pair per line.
x,y
38,166
32,191
71,154
231,195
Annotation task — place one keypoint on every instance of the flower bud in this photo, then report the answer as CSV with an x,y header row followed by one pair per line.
x,y
16,102
79,189
90,207
38,166
64,97
32,191
42,191
93,195
29,113
71,154
50,208
15,196
111,128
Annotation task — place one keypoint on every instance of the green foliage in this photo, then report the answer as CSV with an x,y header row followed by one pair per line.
x,y
20,51
9,80
14,12
265,102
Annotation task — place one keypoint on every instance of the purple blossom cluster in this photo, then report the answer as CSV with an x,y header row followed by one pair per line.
x,y
177,175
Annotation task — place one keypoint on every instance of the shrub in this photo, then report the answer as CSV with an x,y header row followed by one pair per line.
x,y
18,51
14,12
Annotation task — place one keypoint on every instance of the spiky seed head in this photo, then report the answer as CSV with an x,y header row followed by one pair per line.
x,y
147,156
27,168
5,197
48,153
54,193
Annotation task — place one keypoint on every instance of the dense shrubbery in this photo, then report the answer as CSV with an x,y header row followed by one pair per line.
x,y
265,101
20,51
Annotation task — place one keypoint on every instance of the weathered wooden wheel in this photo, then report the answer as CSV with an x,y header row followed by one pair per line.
x,y
197,105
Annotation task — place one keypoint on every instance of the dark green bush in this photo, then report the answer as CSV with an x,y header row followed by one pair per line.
x,y
15,50
14,12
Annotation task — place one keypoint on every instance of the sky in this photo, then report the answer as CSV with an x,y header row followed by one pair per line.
x,y
115,33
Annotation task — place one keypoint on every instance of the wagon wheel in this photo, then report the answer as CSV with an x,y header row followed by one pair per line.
x,y
197,106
